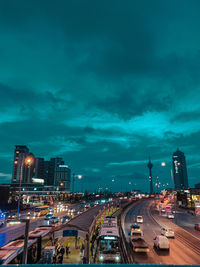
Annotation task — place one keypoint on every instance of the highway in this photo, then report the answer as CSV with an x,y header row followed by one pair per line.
x,y
180,251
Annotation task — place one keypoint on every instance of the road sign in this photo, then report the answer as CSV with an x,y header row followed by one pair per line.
x,y
70,232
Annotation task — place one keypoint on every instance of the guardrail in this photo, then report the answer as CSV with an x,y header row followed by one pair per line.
x,y
127,253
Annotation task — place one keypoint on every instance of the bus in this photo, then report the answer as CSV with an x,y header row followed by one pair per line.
x,y
41,211
109,243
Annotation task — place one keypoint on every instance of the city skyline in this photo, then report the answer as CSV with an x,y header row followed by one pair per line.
x,y
102,87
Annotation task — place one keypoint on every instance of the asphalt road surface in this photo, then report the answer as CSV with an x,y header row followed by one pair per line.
x,y
180,252
11,232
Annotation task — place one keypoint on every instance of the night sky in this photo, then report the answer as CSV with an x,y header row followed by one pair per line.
x,y
102,84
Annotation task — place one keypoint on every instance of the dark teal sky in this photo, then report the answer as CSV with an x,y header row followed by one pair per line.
x,y
102,84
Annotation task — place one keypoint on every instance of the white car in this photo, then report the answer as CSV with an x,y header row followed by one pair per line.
x,y
168,232
161,242
170,216
139,219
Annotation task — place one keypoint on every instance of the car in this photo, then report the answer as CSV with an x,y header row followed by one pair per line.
x,y
170,216
12,215
51,210
161,242
197,226
135,227
48,216
139,219
168,232
65,219
54,219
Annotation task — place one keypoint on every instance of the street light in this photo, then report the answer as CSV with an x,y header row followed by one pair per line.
x,y
79,176
25,161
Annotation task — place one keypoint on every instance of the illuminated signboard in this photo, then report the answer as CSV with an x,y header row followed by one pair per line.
x,y
63,166
109,238
176,166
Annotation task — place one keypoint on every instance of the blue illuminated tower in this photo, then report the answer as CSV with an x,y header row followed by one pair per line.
x,y
150,166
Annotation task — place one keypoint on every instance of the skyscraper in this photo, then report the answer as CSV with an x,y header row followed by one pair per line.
x,y
53,164
179,171
20,153
20,168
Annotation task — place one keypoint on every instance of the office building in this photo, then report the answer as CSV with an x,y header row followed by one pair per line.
x,y
39,168
63,177
52,165
20,153
179,171
50,173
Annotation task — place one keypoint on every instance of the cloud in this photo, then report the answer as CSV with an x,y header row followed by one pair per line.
x,y
101,84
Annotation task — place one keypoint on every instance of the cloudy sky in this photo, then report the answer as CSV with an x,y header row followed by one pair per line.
x,y
102,84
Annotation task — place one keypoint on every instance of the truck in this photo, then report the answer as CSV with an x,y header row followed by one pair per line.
x,y
139,245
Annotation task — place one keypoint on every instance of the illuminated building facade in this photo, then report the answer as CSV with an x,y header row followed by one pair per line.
x,y
26,171
179,171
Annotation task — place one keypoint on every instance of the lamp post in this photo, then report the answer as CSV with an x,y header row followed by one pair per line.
x,y
79,176
25,161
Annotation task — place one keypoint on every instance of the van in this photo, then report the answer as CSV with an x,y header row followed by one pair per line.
x,y
161,242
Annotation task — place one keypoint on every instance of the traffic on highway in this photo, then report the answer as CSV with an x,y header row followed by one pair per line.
x,y
134,229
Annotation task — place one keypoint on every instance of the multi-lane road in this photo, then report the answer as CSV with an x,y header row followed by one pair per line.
x,y
11,232
180,251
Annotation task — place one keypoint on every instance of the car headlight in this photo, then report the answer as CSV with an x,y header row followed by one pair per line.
x,y
117,258
101,257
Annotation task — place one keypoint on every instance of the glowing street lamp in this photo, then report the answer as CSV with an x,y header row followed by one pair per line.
x,y
79,176
163,164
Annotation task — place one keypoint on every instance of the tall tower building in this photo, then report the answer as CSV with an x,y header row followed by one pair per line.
x,y
21,167
20,153
150,166
179,171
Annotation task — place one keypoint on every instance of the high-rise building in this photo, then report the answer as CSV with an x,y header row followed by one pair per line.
x,y
179,171
21,167
39,168
63,177
53,164
20,153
